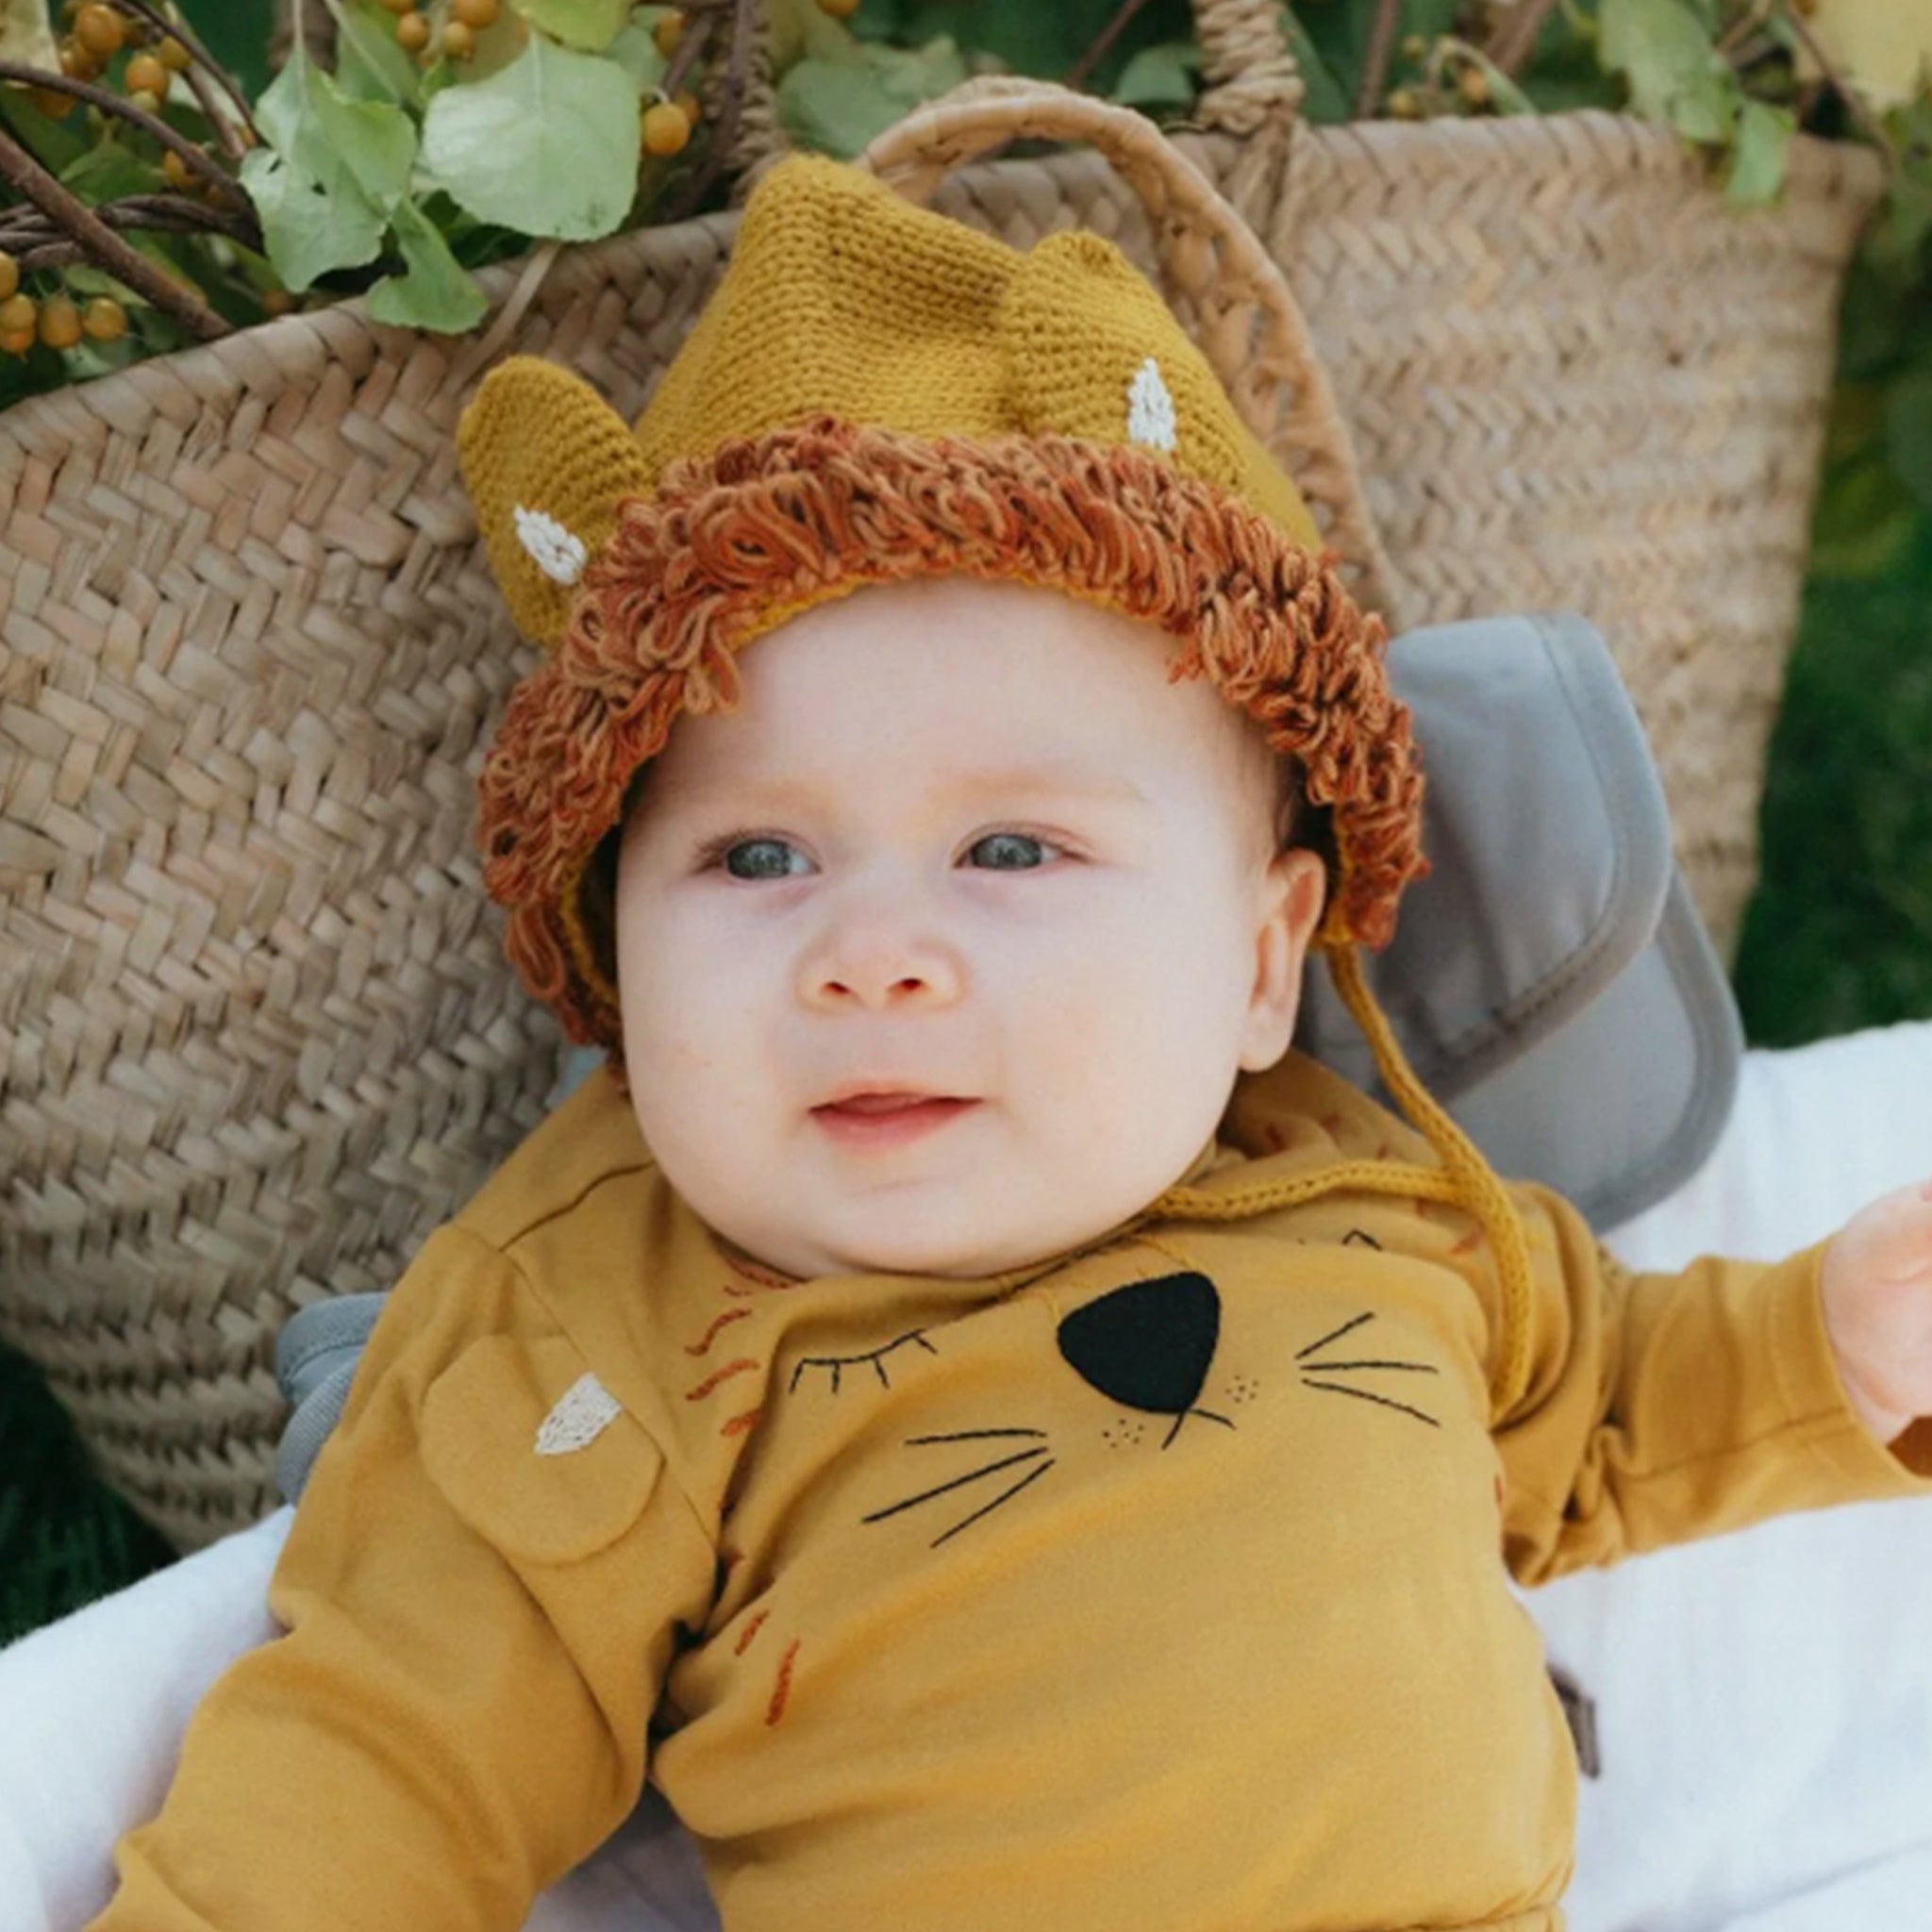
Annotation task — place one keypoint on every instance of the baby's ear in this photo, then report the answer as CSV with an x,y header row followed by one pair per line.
x,y
1289,913
546,462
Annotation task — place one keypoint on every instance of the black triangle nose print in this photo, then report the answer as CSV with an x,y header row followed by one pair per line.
x,y
1148,1345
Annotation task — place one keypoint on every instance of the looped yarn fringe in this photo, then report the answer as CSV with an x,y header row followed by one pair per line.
x,y
767,526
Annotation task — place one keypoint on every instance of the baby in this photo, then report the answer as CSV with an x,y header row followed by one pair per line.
x,y
1002,1439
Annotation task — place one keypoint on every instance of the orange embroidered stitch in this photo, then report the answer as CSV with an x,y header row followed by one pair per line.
x,y
710,1335
739,1425
738,1367
1473,1239
758,1623
781,1691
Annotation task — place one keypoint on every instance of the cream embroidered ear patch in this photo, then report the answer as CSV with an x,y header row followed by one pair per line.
x,y
582,1413
560,553
1149,408
533,1452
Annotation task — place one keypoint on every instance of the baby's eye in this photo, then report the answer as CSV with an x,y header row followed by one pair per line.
x,y
1010,851
763,859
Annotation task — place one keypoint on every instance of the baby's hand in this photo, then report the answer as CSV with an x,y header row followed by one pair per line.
x,y
1877,1288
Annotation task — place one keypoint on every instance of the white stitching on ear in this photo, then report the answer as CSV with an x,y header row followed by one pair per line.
x,y
560,553
1149,408
583,1412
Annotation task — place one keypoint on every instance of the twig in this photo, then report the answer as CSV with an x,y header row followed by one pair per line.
x,y
738,63
1846,92
1368,93
29,227
690,51
180,30
108,102
1078,72
107,248
1515,41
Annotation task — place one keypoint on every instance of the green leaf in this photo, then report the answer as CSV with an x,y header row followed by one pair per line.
x,y
347,148
549,146
437,292
839,105
370,66
1757,168
1674,72
107,172
635,52
1162,75
308,231
1323,101
589,24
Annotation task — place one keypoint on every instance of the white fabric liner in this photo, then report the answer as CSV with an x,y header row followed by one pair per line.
x,y
1764,1701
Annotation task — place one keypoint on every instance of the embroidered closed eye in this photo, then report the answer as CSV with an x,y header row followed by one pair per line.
x,y
834,1365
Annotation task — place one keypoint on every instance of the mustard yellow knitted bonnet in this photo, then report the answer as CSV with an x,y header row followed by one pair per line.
x,y
876,393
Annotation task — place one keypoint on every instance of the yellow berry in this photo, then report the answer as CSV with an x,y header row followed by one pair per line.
x,y
276,302
147,103
412,32
667,31
100,30
175,57
9,277
17,341
667,127
838,9
77,64
104,320
59,322
1473,85
459,41
181,178
145,75
18,313
692,108
477,15
1403,106
54,103
1415,48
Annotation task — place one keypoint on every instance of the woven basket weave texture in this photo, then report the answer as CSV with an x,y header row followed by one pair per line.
x,y
256,1035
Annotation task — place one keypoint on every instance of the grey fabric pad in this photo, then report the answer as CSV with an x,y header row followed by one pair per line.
x,y
1549,981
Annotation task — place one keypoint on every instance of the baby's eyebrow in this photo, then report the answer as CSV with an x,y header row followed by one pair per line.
x,y
748,792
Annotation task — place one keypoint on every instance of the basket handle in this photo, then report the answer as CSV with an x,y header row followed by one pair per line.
x,y
1219,276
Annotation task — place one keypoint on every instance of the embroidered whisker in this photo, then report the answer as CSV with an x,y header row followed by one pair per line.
x,y
1364,1395
957,1482
1005,1496
1338,1334
1420,1368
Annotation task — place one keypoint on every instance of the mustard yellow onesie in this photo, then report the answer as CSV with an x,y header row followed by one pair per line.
x,y
1158,1588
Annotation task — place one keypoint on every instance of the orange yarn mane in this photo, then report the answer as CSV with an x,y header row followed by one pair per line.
x,y
769,526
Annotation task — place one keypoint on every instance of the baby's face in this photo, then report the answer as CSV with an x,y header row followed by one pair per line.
x,y
963,849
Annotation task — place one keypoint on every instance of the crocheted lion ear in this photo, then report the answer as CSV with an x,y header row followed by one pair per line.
x,y
546,462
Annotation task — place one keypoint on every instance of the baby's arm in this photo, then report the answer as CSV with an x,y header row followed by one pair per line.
x,y
1664,1408
476,1635
1878,1290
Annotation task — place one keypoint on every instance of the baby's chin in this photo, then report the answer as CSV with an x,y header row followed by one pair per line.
x,y
921,1249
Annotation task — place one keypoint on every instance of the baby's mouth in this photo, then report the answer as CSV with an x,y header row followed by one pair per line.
x,y
888,1119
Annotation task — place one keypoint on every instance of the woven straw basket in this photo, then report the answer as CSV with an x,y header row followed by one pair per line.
x,y
257,1034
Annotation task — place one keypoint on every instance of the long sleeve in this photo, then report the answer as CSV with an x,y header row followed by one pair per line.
x,y
481,1592
1665,1407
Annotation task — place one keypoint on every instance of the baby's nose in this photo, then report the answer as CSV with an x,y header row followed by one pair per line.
x,y
880,961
